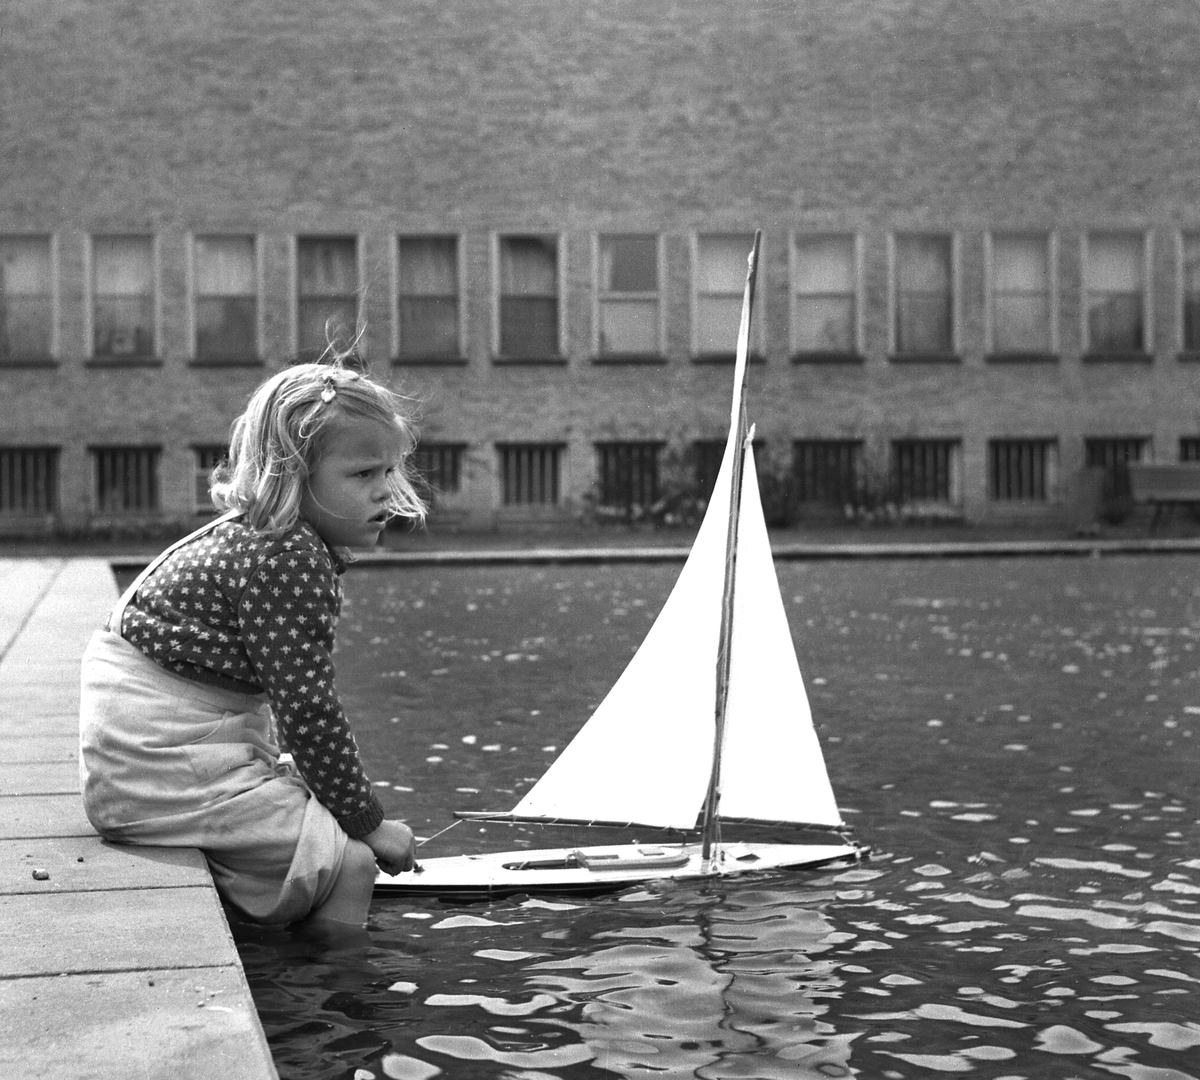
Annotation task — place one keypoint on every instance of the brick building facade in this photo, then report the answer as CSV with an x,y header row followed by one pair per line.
x,y
980,283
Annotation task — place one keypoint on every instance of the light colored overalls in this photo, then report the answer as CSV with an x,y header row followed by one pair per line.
x,y
172,762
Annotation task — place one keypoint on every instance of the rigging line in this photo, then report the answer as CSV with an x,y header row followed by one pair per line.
x,y
426,839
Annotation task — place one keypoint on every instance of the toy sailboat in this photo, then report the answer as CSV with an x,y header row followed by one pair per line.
x,y
708,724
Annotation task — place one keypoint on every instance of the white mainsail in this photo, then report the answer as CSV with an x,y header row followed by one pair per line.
x,y
645,755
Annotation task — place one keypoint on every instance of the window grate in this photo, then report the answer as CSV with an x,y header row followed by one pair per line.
x,y
207,459
924,470
828,471
628,474
1112,456
28,481
1021,470
126,479
529,474
440,467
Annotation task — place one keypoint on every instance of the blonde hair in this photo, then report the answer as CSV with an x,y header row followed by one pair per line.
x,y
277,442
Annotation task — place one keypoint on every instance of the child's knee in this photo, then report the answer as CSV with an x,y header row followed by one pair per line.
x,y
358,865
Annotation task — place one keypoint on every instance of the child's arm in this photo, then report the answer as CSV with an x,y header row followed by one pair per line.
x,y
288,611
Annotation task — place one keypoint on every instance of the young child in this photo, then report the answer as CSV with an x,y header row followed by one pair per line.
x,y
236,623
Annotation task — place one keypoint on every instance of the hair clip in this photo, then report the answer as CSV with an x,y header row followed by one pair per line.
x,y
330,391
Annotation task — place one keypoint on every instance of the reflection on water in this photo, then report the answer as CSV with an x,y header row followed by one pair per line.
x,y
1013,738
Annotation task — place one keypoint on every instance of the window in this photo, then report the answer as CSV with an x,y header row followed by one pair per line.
x,y
1020,295
1190,285
123,297
1189,448
427,298
925,471
528,297
628,474
708,454
226,298
721,267
1022,470
628,321
924,297
828,472
327,293
207,458
1112,456
126,479
440,466
529,474
26,298
825,309
28,481
1115,301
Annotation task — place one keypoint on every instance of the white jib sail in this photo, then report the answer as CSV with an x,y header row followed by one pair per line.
x,y
646,753
771,765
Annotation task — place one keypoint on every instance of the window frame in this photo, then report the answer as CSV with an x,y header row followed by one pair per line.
x,y
459,356
559,356
954,277
757,344
655,354
1184,350
815,356
359,271
150,359
1050,253
50,358
253,358
1146,269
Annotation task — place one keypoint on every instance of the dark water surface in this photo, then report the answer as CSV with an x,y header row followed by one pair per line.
x,y
1015,739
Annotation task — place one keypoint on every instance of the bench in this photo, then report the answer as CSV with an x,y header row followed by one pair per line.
x,y
1165,486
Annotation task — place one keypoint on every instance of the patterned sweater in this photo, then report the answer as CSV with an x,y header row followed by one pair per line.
x,y
252,613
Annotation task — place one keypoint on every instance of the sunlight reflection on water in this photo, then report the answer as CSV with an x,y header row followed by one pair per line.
x,y
1013,738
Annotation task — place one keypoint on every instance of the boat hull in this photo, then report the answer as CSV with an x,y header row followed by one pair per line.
x,y
600,869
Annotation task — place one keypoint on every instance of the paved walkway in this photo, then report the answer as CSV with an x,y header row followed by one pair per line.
x,y
121,963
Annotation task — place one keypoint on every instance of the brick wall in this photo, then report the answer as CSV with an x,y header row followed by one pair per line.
x,y
369,118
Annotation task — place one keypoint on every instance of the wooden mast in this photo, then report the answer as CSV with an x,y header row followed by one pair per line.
x,y
710,823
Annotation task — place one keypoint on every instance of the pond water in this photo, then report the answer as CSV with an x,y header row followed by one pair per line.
x,y
1014,739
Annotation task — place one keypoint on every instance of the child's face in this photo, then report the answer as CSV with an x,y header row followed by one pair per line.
x,y
347,494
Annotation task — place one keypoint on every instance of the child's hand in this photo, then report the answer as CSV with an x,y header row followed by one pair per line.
x,y
394,846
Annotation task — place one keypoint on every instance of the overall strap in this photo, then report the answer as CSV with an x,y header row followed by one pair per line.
x,y
118,613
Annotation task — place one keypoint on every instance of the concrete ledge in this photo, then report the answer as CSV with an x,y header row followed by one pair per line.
x,y
118,960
